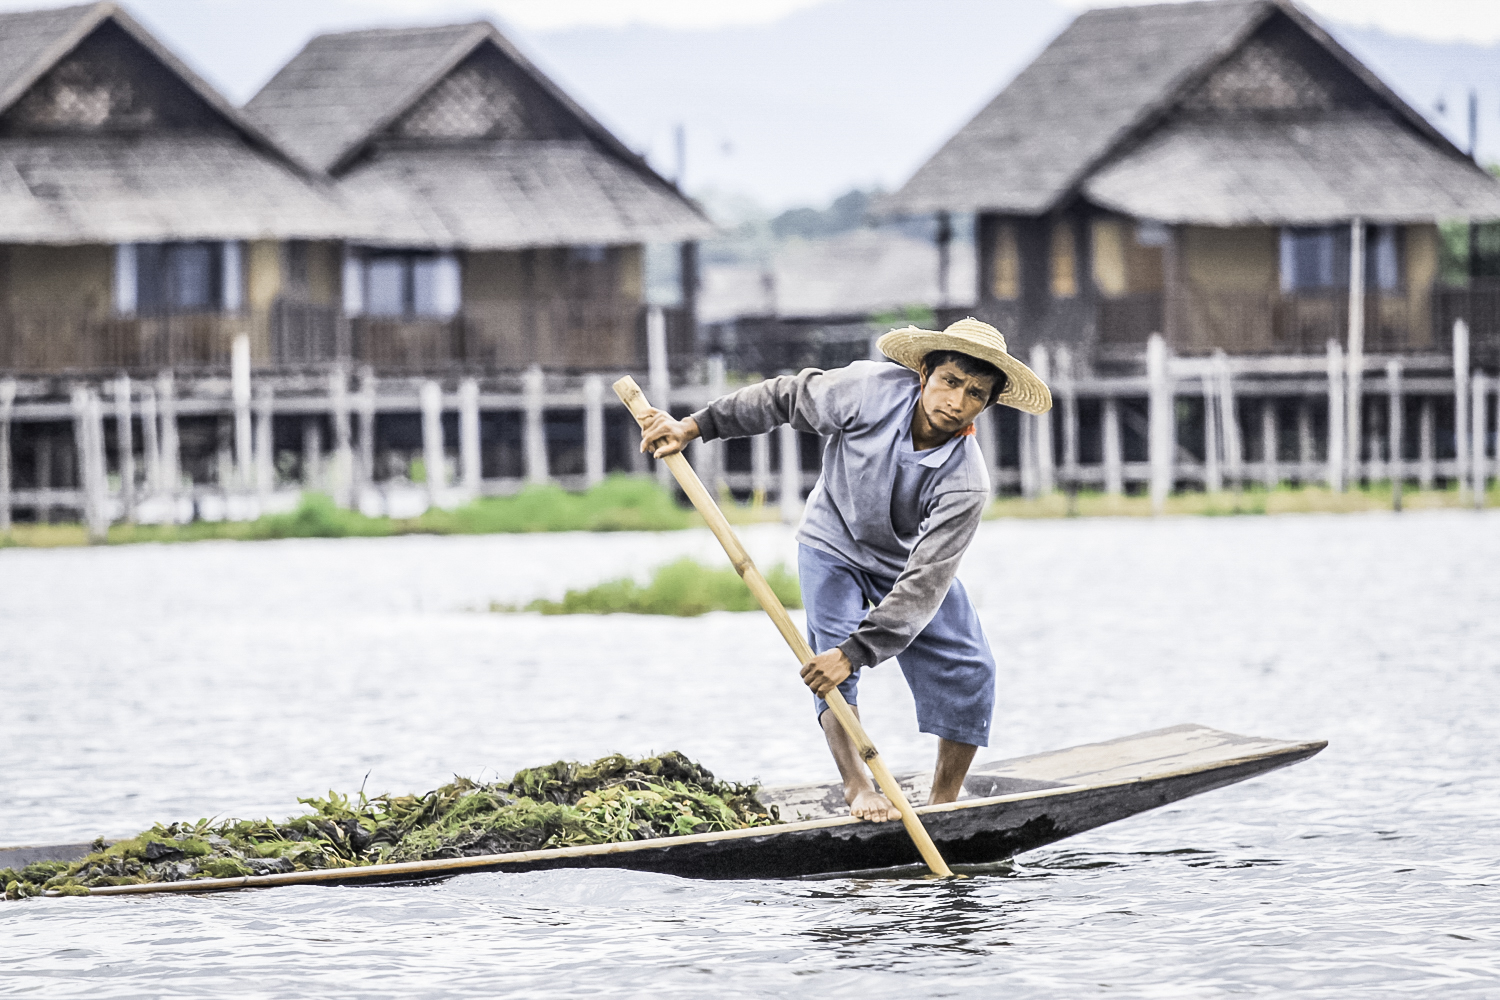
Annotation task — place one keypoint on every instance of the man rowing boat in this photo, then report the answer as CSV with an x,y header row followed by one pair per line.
x,y
899,499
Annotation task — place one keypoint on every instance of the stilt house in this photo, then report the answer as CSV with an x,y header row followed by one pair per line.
x,y
509,224
142,218
1211,171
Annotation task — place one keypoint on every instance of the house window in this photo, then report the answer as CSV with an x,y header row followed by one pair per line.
x,y
1007,266
1064,261
1317,258
1383,256
419,285
178,277
1314,258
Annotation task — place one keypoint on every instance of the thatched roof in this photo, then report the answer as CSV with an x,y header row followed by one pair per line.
x,y
105,136
450,136
122,189
509,195
1255,172
1073,120
341,90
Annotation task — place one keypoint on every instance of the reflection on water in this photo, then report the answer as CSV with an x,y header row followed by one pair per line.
x,y
162,682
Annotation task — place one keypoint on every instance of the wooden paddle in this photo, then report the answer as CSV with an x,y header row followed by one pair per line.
x,y
630,394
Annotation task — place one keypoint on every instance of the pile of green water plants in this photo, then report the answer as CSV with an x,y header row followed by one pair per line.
x,y
564,804
684,588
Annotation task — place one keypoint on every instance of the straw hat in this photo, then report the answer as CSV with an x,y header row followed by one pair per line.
x,y
1023,390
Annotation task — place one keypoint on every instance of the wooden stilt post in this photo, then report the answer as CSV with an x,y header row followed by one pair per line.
x,y
1306,449
1461,390
1064,381
1394,431
660,377
367,389
1335,417
468,437
760,469
1427,444
1270,445
593,429
239,379
226,474
7,405
45,449
1046,476
1026,446
1229,422
1162,424
343,449
312,454
99,500
150,442
984,433
536,426
1213,448
433,460
1477,414
1114,450
791,475
710,454
265,443
171,448
88,443
125,446
1354,401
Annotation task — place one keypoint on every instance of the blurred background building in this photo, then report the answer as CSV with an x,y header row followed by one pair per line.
x,y
412,255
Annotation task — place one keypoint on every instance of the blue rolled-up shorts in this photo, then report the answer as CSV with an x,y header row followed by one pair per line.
x,y
949,666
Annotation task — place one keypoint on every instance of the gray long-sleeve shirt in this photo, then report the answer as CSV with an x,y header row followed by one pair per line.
x,y
878,506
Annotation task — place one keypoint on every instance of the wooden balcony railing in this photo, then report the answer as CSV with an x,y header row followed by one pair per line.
x,y
1201,321
559,335
65,341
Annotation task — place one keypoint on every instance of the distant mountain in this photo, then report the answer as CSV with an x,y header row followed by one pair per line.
x,y
852,93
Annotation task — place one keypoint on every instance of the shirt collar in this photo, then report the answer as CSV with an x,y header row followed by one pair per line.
x,y
937,456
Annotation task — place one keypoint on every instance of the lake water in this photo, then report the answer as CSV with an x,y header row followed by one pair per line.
x,y
158,682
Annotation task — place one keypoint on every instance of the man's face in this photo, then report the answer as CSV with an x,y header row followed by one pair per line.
x,y
952,398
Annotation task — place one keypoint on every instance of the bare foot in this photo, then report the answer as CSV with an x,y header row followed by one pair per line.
x,y
870,805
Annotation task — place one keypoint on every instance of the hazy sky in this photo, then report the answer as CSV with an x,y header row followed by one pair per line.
x,y
787,101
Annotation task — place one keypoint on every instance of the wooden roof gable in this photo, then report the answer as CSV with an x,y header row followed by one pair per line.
x,y
93,68
345,92
1115,75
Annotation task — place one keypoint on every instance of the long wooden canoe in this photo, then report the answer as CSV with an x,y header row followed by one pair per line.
x,y
1008,807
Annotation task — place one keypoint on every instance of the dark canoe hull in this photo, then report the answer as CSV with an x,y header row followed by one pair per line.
x,y
983,832
1015,806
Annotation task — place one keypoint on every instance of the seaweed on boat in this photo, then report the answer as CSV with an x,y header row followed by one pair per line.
x,y
562,804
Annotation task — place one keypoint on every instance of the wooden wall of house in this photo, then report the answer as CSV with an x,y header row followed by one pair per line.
x,y
56,280
560,307
1121,265
1420,270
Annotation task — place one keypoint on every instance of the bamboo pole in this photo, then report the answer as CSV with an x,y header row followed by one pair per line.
x,y
630,394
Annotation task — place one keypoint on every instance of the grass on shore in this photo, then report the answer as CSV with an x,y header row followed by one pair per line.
x,y
1227,503
684,588
620,503
632,503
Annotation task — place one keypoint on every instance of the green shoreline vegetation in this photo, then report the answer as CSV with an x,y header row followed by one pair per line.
x,y
684,588
564,804
1252,500
637,503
